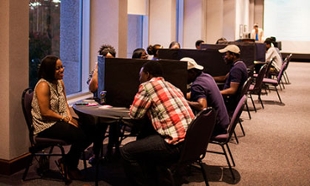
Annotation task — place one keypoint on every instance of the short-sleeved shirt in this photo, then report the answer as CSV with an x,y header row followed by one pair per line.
x,y
58,104
238,74
166,107
204,86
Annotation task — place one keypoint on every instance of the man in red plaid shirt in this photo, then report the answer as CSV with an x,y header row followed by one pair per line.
x,y
169,114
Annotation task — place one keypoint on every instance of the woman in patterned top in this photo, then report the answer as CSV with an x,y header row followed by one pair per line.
x,y
51,114
169,114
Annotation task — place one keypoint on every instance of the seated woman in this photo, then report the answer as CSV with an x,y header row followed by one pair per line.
x,y
153,50
139,53
52,117
174,45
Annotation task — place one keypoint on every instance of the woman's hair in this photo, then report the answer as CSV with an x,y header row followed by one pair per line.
x,y
105,49
222,40
154,68
48,67
198,42
137,53
173,43
152,49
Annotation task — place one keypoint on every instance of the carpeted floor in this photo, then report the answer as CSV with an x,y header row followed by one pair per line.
x,y
275,150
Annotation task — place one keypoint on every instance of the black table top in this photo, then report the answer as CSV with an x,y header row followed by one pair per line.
x,y
102,111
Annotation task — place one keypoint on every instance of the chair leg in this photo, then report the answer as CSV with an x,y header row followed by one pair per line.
x,y
84,161
236,138
27,168
278,94
261,101
228,162
253,102
204,173
240,123
247,107
171,177
287,81
230,154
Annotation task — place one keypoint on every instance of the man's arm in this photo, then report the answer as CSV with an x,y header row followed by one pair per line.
x,y
220,78
198,105
231,90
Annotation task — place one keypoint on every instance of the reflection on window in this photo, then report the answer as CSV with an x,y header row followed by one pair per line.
x,y
55,29
44,24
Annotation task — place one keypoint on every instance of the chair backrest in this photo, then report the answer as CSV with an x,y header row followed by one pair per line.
x,y
283,68
287,59
198,136
246,86
26,106
269,64
260,77
236,115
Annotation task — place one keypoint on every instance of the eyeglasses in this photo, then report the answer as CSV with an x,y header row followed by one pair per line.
x,y
59,67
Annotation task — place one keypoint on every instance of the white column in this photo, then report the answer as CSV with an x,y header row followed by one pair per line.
x,y
108,26
194,22
162,22
14,54
214,21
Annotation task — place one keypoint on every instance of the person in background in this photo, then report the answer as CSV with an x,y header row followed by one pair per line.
x,y
257,33
169,114
275,44
153,50
222,40
107,51
139,53
235,79
272,54
174,45
52,117
198,43
204,93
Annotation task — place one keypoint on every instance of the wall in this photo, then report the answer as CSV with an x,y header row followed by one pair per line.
x,y
162,22
108,26
194,22
14,77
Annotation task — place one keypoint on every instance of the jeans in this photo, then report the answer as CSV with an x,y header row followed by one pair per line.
x,y
141,157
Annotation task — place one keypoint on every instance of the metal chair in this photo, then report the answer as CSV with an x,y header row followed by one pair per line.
x,y
195,144
257,87
276,82
39,146
223,139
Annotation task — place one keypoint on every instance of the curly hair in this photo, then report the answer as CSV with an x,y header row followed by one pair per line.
x,y
105,49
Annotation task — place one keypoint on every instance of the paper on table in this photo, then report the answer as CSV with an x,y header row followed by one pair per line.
x,y
105,107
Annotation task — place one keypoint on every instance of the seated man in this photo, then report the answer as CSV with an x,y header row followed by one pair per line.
x,y
205,93
273,54
235,79
169,113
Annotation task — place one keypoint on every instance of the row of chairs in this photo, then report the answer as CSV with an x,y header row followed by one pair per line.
x,y
266,79
195,145
252,86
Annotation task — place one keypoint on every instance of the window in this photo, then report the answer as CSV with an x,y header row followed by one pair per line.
x,y
56,28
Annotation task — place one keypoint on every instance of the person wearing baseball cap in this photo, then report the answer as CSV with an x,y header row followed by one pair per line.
x,y
235,79
204,93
